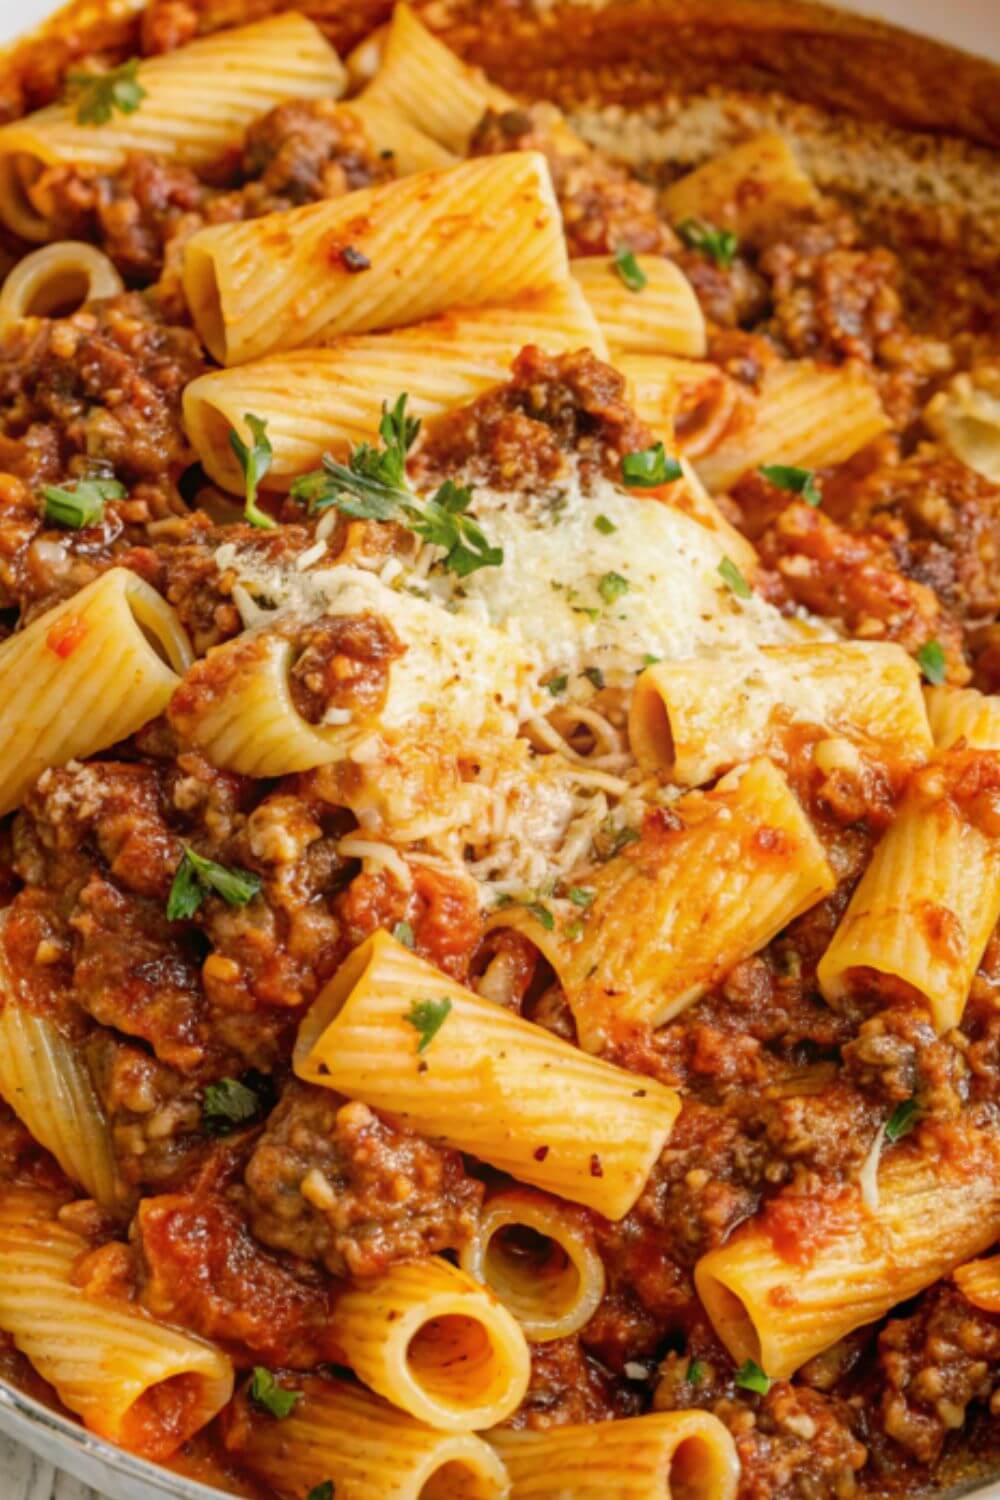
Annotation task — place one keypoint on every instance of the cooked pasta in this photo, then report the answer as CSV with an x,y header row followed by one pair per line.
x,y
431,1340
234,75
979,1283
495,1085
933,1212
486,231
130,1378
675,1455
55,278
322,400
112,651
366,1448
662,317
745,190
539,1256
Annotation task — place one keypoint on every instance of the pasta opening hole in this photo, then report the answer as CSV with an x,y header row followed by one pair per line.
x,y
458,1480
211,427
453,1360
165,1415
209,318
727,1312
693,1473
657,735
160,629
19,171
58,296
525,1267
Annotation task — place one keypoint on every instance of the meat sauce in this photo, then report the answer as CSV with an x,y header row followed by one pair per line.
x,y
244,1236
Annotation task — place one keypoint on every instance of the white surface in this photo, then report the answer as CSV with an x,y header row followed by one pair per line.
x,y
25,1477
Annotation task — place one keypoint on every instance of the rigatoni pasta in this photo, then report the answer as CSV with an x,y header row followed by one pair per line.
x,y
481,232
662,317
491,1084
234,75
746,190
55,278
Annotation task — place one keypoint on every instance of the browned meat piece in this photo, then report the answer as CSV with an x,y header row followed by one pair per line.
x,y
332,1182
521,433
604,206
441,909
307,150
897,1055
568,1386
343,662
201,1269
155,1114
731,296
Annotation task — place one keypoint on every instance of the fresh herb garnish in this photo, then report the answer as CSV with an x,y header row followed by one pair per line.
x,y
322,1491
403,933
98,95
83,505
372,486
581,895
266,1392
255,460
752,1378
616,838
227,1104
629,269
649,660
699,234
557,685
732,575
427,1017
595,676
604,526
797,481
196,876
650,467
695,1372
541,914
611,586
931,660
902,1120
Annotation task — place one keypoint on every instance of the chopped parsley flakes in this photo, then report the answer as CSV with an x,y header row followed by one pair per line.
x,y
83,505
612,586
196,876
427,1017
267,1393
731,575
796,481
752,1378
650,467
720,244
99,95
902,1120
931,660
229,1103
254,459
629,269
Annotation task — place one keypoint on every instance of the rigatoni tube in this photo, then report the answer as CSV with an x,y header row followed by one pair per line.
x,y
436,1343
676,1455
663,317
938,1203
486,1081
477,233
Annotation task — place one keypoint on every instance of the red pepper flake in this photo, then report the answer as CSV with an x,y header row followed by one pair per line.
x,y
66,634
596,1170
541,1153
354,260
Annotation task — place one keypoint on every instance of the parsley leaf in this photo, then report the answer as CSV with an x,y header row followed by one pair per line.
x,y
695,1372
581,895
604,526
629,269
322,1491
699,234
372,486
541,914
595,676
732,575
227,1104
255,461
611,586
196,876
266,1392
427,1017
752,1378
83,505
651,467
557,685
649,660
403,933
98,95
931,660
797,481
902,1120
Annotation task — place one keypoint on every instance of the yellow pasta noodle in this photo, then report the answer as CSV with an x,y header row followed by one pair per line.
x,y
323,400
57,279
426,83
963,715
436,1343
919,920
675,1455
488,1083
477,233
233,75
966,418
742,864
694,719
748,190
686,400
45,1080
664,317
540,1258
804,415
934,1210
85,674
979,1282
131,1379
368,1449
412,149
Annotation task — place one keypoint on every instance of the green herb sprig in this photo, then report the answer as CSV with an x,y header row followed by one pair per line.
x,y
427,1017
720,244
752,1378
650,467
267,1393
796,481
255,460
196,876
83,505
99,95
932,662
629,269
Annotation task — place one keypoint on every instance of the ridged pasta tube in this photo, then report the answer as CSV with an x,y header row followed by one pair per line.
x,y
488,1083
664,317
960,715
749,189
368,1449
233,75
482,232
979,1283
436,1343
57,279
145,1386
675,1455
85,674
